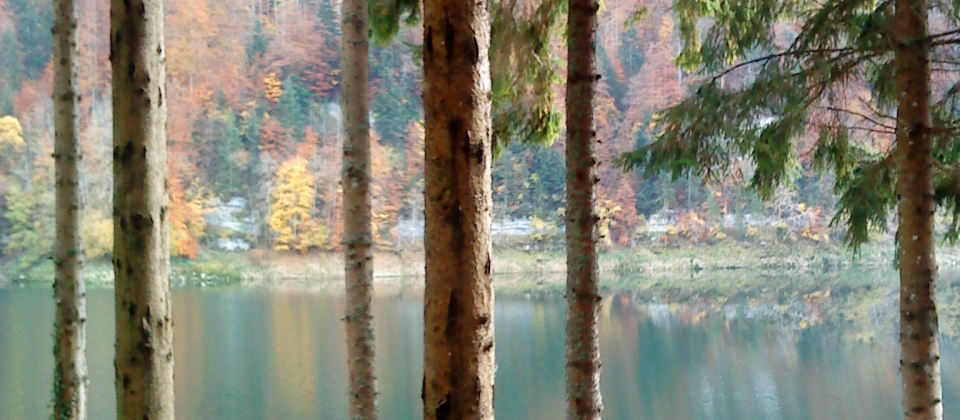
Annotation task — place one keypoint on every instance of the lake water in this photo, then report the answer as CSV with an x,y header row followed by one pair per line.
x,y
244,354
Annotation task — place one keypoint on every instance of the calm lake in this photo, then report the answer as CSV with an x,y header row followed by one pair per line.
x,y
258,355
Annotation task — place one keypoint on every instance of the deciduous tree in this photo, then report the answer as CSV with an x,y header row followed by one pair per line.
x,y
293,201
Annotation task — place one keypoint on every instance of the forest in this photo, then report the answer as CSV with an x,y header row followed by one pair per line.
x,y
332,127
272,133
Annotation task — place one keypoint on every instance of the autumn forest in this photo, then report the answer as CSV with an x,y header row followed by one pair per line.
x,y
149,138
255,114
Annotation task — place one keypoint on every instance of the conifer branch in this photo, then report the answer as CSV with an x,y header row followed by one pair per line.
x,y
861,115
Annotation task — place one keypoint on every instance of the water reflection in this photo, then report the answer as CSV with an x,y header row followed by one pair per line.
x,y
272,355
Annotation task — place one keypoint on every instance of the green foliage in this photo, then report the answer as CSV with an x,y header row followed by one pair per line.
x,y
523,71
386,16
293,106
212,270
609,75
530,182
394,105
866,197
29,236
524,74
630,52
258,43
34,19
787,90
229,160
11,70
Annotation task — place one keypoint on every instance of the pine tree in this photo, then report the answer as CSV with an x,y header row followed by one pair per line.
x,y
524,73
33,34
11,69
916,206
357,235
69,292
459,364
779,90
229,156
141,250
583,289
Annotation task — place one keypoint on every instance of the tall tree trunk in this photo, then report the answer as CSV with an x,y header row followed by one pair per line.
x,y
357,237
69,291
920,349
141,249
583,293
459,365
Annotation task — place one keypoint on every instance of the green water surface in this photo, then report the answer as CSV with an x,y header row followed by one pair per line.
x,y
265,354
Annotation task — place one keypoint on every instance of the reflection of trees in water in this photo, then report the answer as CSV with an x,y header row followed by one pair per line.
x,y
739,360
845,306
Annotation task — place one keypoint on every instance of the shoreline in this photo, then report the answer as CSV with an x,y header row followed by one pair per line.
x,y
679,270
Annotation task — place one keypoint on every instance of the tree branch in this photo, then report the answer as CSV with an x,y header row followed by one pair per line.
x,y
781,55
861,115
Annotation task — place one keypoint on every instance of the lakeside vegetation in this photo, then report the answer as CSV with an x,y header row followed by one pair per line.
x,y
685,270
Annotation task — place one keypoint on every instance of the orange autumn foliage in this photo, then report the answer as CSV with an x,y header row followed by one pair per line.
x,y
275,141
186,220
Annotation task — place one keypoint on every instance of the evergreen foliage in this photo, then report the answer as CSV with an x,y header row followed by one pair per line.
x,y
829,84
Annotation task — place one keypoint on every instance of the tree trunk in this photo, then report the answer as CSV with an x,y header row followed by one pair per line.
x,y
357,237
920,349
141,250
583,293
459,365
69,292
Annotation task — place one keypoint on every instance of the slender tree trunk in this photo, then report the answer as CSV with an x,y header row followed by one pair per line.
x,y
459,364
920,349
583,293
69,291
141,250
357,237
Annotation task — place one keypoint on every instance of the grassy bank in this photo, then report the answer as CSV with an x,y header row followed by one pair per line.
x,y
678,271
211,269
671,272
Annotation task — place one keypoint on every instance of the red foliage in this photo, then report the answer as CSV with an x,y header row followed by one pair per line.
x,y
275,141
625,220
183,241
33,92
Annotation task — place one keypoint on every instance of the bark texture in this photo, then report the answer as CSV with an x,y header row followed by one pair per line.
x,y
356,222
141,250
583,293
920,349
69,292
459,365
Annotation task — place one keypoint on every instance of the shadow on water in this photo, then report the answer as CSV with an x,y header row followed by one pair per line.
x,y
798,349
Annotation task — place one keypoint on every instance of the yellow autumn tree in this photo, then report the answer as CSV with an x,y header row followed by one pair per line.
x,y
97,236
290,212
187,225
272,88
11,133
